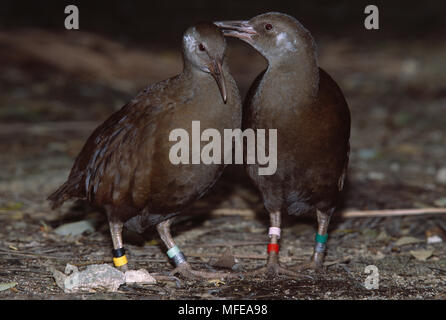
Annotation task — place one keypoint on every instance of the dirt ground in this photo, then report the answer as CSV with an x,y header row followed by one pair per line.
x,y
54,90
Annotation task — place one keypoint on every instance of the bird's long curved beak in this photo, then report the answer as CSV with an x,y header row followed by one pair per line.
x,y
217,72
238,28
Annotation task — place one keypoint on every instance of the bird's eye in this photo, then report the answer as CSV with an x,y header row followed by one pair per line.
x,y
201,47
268,26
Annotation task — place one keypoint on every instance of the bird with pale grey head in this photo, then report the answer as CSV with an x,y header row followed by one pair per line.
x,y
124,166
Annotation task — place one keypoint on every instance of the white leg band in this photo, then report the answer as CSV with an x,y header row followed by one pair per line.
x,y
274,231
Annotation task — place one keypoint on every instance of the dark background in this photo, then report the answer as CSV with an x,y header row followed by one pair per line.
x,y
163,21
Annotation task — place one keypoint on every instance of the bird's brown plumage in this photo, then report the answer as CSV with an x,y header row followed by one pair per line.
x,y
312,147
308,110
125,166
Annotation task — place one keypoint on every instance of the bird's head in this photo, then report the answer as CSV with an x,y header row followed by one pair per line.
x,y
275,35
204,48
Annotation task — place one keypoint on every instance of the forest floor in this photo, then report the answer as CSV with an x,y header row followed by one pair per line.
x,y
55,89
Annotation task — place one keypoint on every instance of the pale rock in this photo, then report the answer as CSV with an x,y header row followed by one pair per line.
x,y
140,276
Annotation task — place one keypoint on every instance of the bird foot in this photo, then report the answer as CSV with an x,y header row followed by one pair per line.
x,y
273,270
314,265
187,272
318,264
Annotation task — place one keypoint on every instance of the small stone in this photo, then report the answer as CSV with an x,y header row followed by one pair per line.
x,y
140,276
95,277
434,239
226,260
75,228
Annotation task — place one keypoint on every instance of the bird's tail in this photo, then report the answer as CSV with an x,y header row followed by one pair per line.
x,y
66,191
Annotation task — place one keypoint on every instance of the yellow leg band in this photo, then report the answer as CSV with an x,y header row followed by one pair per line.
x,y
118,262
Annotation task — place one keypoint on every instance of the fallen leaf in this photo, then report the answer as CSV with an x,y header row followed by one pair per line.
x,y
12,206
18,215
407,240
409,149
422,255
7,285
152,242
369,233
382,235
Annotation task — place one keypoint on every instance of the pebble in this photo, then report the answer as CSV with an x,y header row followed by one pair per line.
x,y
434,239
98,277
95,277
75,228
140,276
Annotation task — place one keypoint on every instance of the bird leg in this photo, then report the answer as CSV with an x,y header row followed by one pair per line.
x,y
273,267
119,257
318,256
179,260
320,247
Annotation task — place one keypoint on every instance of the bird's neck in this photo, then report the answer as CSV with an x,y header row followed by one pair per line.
x,y
190,71
296,72
193,73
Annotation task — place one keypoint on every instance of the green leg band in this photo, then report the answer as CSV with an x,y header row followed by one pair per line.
x,y
172,252
321,238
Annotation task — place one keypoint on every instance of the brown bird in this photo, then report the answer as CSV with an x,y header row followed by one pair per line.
x,y
125,167
309,111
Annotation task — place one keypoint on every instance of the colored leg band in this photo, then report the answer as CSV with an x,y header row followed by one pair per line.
x,y
176,255
273,247
118,252
119,258
119,262
321,239
319,247
274,231
172,252
178,259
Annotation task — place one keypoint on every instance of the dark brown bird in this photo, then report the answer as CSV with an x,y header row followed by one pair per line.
x,y
309,111
125,166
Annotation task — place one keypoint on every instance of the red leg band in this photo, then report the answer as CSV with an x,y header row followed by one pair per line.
x,y
273,247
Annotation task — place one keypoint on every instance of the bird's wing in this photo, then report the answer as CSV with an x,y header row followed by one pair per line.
x,y
112,151
117,152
